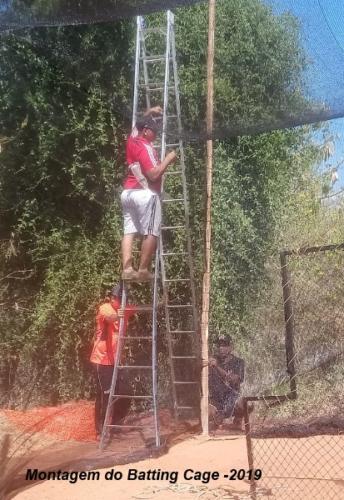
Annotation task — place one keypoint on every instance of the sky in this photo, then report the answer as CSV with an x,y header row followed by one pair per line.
x,y
322,31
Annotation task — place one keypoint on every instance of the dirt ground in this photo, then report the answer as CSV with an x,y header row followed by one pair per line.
x,y
293,468
216,454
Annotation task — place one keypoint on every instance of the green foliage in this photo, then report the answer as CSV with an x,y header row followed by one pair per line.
x,y
259,66
64,96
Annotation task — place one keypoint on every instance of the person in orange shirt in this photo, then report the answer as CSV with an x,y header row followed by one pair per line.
x,y
103,357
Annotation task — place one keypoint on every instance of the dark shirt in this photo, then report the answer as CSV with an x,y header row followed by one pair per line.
x,y
235,365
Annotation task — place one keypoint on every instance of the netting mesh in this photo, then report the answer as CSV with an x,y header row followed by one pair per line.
x,y
297,439
310,91
21,14
66,96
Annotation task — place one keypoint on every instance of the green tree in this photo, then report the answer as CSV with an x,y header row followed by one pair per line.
x,y
63,109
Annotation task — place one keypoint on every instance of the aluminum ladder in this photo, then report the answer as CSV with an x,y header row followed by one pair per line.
x,y
122,339
174,242
156,82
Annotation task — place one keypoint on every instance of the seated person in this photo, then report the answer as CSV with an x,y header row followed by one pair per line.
x,y
226,374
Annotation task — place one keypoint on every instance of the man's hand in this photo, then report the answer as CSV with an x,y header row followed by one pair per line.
x,y
110,318
171,157
212,362
155,110
232,377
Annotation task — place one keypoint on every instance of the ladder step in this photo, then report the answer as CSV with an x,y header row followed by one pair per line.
x,y
172,227
152,84
172,145
179,306
177,279
154,89
137,338
178,172
184,357
173,200
179,382
185,407
128,396
146,367
182,331
168,254
118,426
153,59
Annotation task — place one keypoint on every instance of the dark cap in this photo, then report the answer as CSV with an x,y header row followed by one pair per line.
x,y
148,122
224,340
117,291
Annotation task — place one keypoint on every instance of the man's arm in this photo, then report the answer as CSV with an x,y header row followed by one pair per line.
x,y
153,173
155,110
214,364
228,375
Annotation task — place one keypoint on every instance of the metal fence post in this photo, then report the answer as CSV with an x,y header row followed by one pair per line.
x,y
289,322
250,457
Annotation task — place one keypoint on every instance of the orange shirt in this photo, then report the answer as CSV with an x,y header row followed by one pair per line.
x,y
105,345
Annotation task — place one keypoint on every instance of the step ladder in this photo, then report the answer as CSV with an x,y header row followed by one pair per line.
x,y
157,74
123,339
156,83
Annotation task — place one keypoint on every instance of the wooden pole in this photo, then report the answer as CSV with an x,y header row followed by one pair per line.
x,y
206,276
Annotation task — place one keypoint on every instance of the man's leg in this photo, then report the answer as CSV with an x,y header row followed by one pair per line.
x,y
150,224
238,413
130,231
127,247
148,249
98,423
104,376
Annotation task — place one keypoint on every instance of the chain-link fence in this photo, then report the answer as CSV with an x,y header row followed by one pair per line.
x,y
297,438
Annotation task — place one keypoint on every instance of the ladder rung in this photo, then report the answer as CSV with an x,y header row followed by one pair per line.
x,y
152,84
177,279
128,396
185,407
137,338
135,367
154,89
172,227
151,58
130,426
179,172
172,200
182,331
168,254
172,116
172,145
184,357
179,306
185,382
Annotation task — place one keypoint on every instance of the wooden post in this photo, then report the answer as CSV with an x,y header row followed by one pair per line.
x,y
206,276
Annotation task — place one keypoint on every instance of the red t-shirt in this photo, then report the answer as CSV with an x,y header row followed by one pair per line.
x,y
141,151
105,345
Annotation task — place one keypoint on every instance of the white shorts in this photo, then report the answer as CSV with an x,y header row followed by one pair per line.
x,y
141,211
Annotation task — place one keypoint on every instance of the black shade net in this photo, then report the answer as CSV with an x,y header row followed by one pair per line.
x,y
308,90
19,14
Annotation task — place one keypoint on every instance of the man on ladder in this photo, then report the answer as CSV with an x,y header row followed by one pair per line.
x,y
140,198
